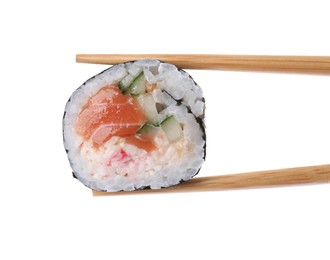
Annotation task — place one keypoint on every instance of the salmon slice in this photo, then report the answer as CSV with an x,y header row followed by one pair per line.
x,y
109,113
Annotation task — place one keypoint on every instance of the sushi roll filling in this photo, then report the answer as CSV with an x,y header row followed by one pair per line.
x,y
125,128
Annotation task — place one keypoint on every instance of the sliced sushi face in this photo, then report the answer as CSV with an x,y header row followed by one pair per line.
x,y
136,125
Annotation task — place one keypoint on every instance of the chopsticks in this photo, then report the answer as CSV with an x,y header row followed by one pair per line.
x,y
260,179
318,65
314,65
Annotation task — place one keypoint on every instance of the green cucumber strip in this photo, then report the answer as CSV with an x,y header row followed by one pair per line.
x,y
126,82
148,131
166,119
172,129
138,85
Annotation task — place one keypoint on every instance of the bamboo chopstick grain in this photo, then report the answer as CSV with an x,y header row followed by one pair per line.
x,y
271,178
319,65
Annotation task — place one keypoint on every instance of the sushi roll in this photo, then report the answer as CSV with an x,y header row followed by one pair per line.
x,y
136,125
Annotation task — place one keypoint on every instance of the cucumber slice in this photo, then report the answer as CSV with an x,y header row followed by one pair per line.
x,y
138,86
172,129
148,106
148,131
125,83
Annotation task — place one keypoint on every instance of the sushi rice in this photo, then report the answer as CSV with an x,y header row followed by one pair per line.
x,y
173,108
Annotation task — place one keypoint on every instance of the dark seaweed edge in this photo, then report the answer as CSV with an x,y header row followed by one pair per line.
x,y
199,120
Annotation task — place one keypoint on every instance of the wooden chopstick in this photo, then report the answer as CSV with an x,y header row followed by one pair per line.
x,y
319,65
261,179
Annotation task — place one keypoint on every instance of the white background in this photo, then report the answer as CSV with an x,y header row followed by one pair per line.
x,y
254,122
